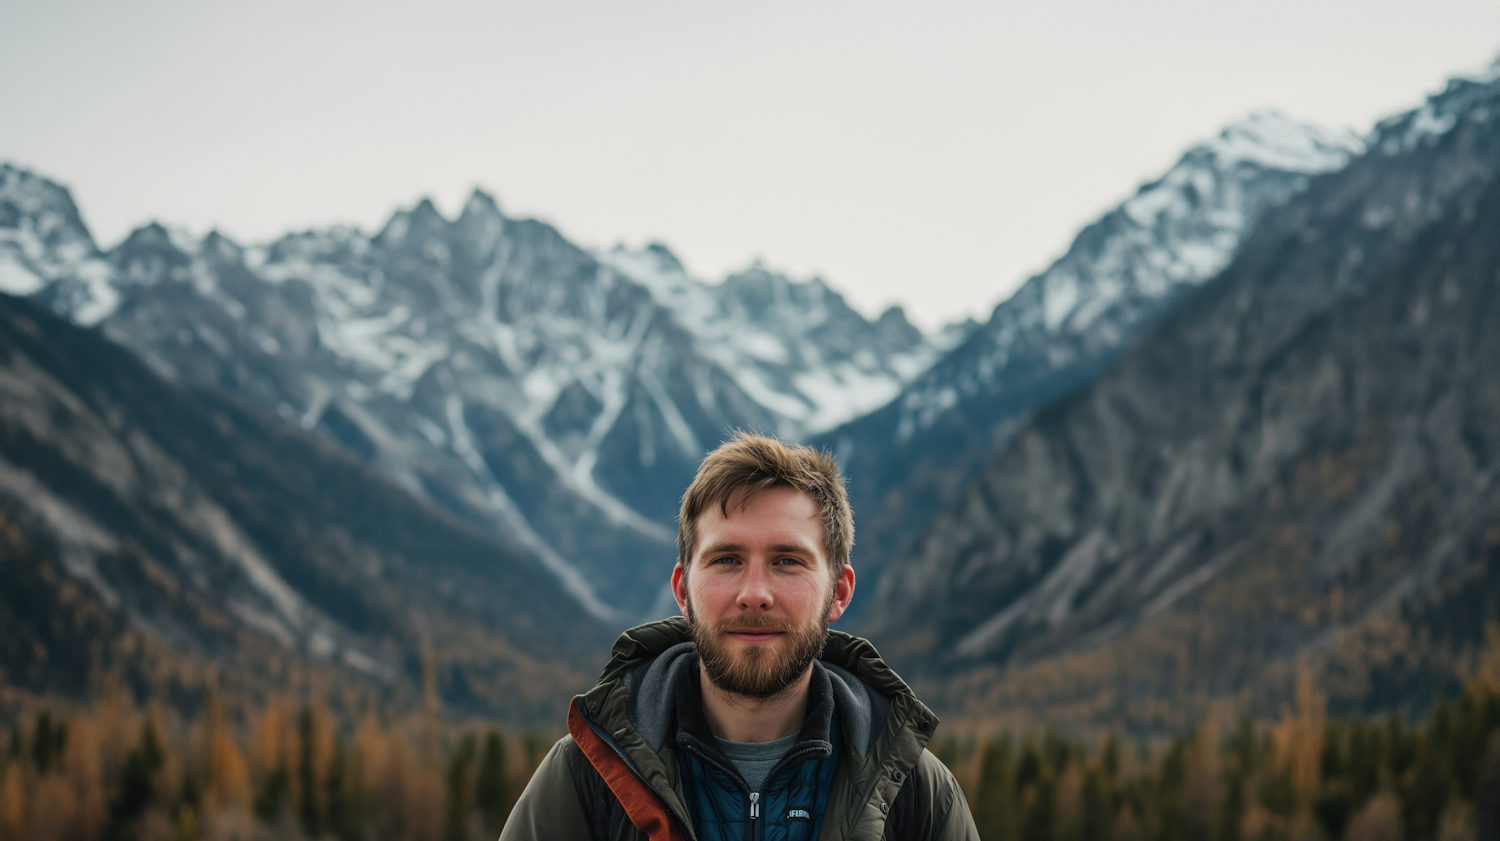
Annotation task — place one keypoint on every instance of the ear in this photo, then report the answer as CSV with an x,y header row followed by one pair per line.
x,y
679,590
843,593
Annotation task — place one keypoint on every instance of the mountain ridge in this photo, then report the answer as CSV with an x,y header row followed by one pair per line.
x,y
234,537
530,386
484,362
1297,461
1066,324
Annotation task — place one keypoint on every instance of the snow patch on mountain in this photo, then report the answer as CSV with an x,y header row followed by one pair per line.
x,y
44,243
1175,232
796,347
1461,98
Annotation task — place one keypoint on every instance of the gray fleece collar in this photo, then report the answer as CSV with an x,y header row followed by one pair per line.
x,y
650,684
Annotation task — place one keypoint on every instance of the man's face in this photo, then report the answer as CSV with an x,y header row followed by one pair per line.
x,y
759,594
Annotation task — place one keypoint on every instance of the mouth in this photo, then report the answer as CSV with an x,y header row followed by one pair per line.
x,y
755,636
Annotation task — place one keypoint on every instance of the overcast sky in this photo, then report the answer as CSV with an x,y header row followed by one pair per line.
x,y
930,153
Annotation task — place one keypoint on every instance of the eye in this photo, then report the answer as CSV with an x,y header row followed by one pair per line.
x,y
788,561
727,559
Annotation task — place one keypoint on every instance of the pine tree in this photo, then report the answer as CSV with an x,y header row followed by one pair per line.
x,y
1430,783
456,818
337,798
271,802
307,775
1172,818
47,742
137,783
1487,794
492,790
994,803
1096,812
1039,823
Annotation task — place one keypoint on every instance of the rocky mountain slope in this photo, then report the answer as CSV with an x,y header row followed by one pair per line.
x,y
1298,461
137,513
910,458
557,398
560,399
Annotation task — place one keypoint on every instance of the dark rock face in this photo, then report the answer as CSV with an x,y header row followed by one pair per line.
x,y
1300,457
130,503
909,460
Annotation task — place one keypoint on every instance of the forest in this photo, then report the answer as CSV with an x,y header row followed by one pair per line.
x,y
115,771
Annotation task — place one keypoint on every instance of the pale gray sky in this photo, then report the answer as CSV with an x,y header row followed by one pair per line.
x,y
929,153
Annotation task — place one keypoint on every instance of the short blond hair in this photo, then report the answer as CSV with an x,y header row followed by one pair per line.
x,y
755,463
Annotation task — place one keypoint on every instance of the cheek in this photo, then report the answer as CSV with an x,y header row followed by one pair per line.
x,y
807,596
708,592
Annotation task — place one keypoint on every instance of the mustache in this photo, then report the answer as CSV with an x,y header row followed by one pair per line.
x,y
758,623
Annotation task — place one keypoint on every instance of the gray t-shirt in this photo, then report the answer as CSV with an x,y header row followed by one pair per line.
x,y
754,760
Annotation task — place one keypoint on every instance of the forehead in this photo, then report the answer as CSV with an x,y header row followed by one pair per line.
x,y
775,515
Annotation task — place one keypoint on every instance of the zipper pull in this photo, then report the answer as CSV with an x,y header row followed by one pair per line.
x,y
754,805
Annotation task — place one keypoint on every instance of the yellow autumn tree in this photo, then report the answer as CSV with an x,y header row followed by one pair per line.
x,y
12,803
83,763
227,793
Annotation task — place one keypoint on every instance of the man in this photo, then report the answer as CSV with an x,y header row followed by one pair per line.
x,y
748,718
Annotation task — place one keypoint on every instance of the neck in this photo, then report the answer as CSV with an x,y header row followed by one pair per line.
x,y
741,719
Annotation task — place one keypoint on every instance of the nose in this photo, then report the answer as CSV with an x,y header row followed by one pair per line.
x,y
755,588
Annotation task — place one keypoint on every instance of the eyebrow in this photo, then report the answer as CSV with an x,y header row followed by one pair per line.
x,y
780,548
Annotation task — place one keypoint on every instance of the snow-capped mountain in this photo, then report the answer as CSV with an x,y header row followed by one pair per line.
x,y
557,397
1294,468
1174,233
45,248
908,459
796,348
165,534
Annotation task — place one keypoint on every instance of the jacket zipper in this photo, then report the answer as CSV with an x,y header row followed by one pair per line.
x,y
754,796
755,823
785,760
629,763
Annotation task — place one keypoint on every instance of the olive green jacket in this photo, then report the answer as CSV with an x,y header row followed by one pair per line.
x,y
615,775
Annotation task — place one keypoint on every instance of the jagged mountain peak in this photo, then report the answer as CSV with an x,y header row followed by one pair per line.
x,y
152,248
760,287
1464,97
894,322
1271,139
333,244
29,202
152,253
46,249
665,258
422,222
480,203
221,247
155,235
1183,227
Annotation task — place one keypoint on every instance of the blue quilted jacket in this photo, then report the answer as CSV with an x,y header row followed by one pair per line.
x,y
789,805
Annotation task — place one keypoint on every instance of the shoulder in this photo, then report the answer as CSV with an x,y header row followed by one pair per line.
x,y
557,801
564,771
940,809
935,781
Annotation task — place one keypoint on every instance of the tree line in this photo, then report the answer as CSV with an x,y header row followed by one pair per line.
x,y
1305,776
111,771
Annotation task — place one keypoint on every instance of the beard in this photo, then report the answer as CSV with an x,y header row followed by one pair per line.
x,y
760,671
